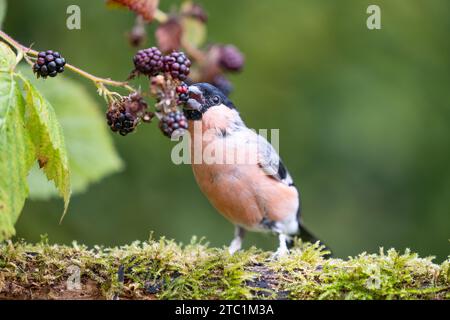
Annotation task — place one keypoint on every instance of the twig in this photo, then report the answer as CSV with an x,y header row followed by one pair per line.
x,y
25,52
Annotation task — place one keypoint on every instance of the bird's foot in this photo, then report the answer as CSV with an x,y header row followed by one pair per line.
x,y
282,250
280,253
235,245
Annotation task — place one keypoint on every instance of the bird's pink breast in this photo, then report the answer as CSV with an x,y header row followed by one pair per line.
x,y
243,193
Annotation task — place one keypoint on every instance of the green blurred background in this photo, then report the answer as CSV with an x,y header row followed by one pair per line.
x,y
363,116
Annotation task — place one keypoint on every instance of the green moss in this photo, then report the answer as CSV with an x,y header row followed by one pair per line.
x,y
164,269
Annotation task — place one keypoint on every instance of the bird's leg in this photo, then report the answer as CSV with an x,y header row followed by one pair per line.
x,y
282,248
236,244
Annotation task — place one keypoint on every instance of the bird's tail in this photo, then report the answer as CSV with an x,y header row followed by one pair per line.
x,y
306,236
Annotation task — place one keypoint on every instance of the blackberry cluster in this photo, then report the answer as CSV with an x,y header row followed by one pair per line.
x,y
231,58
49,64
149,61
124,116
182,91
173,121
178,65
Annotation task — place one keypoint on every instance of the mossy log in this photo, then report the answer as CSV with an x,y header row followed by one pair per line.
x,y
166,270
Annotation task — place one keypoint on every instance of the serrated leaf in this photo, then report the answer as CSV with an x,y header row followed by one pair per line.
x,y
90,149
16,154
194,32
2,11
7,58
48,139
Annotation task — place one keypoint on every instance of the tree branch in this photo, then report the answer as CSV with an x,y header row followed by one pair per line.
x,y
165,270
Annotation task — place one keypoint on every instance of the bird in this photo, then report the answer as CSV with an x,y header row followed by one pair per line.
x,y
257,194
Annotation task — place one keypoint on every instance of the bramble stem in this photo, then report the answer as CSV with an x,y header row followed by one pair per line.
x,y
25,52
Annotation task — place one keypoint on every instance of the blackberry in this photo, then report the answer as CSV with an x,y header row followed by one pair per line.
x,y
124,116
137,36
135,104
49,64
121,121
148,61
230,58
173,122
196,11
178,65
223,84
182,91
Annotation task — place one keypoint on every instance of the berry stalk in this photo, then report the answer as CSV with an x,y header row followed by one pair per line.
x,y
25,52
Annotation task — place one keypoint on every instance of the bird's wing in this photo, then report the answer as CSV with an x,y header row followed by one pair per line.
x,y
270,162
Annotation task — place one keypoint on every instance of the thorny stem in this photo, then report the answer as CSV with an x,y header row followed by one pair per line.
x,y
100,83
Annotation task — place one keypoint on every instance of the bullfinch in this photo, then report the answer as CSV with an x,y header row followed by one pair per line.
x,y
255,192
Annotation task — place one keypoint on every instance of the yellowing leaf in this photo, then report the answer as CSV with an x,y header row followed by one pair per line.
x,y
47,136
16,154
194,31
7,58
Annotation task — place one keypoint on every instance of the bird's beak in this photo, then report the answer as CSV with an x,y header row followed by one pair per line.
x,y
195,100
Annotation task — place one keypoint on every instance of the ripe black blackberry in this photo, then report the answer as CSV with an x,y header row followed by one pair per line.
x,y
148,61
124,116
177,65
230,58
173,122
223,84
121,121
49,64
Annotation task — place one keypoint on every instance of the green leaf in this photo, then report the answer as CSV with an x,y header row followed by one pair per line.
x,y
16,154
91,152
7,57
47,136
2,11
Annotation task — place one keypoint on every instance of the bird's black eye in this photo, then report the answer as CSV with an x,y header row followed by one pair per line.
x,y
216,100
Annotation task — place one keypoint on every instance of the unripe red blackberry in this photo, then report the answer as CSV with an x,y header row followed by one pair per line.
x,y
173,122
49,64
124,116
182,91
148,61
230,58
178,65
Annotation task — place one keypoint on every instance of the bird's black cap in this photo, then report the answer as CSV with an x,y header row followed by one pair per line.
x,y
203,96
